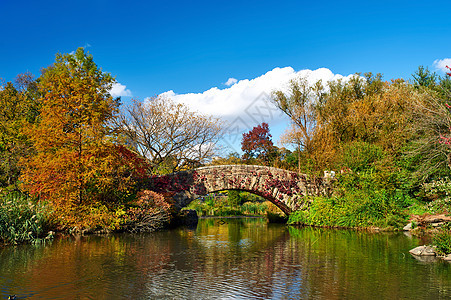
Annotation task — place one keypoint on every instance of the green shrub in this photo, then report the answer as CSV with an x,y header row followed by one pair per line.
x,y
354,209
442,241
298,217
418,208
227,211
21,220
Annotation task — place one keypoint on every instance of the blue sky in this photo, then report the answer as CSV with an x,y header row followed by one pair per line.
x,y
154,47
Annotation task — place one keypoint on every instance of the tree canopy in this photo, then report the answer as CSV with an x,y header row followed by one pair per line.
x,y
72,138
257,143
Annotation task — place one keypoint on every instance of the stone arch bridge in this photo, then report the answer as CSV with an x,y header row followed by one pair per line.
x,y
285,189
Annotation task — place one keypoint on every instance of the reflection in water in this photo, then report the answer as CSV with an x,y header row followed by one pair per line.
x,y
228,258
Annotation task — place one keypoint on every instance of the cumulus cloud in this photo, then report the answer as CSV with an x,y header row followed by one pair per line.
x,y
246,103
231,81
120,90
440,64
238,99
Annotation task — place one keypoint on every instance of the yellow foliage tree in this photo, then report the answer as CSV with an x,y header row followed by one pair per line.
x,y
75,157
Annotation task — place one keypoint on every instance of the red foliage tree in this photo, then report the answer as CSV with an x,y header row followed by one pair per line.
x,y
257,143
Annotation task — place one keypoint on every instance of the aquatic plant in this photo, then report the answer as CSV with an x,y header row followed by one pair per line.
x,y
22,220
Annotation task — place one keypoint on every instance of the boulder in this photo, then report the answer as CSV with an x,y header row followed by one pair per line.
x,y
447,257
407,227
423,251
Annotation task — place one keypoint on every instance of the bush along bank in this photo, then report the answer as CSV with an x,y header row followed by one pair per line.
x,y
358,201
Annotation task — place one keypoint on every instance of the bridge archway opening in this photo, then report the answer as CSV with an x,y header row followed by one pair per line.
x,y
280,205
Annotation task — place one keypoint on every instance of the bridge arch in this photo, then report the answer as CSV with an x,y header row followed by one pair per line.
x,y
286,189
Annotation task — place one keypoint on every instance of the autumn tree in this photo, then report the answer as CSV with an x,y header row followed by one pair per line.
x,y
18,106
298,103
367,112
257,143
75,158
359,109
169,134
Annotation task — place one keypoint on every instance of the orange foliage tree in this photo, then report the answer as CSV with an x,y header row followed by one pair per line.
x,y
77,161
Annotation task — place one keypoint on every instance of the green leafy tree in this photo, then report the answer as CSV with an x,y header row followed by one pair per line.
x,y
424,78
233,198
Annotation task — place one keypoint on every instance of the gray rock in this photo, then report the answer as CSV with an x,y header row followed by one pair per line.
x,y
447,257
423,251
407,227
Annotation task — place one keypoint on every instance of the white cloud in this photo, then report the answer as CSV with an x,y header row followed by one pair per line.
x,y
120,90
231,81
440,64
246,103
235,101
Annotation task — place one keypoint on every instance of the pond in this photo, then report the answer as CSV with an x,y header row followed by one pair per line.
x,y
225,259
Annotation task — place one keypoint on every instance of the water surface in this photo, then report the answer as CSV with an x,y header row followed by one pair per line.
x,y
225,259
